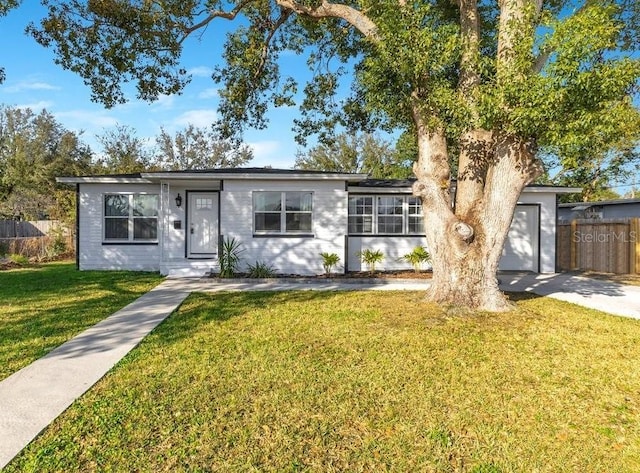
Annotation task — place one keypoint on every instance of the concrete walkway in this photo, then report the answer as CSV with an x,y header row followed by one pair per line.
x,y
604,295
33,397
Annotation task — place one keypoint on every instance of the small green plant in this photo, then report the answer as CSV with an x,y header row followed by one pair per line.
x,y
329,261
417,258
371,258
19,259
261,270
230,257
58,246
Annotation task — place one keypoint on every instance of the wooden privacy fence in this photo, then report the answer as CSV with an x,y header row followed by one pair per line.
x,y
36,239
21,229
606,245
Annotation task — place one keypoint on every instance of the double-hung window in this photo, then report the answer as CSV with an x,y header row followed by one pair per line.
x,y
131,217
361,214
385,215
414,213
289,212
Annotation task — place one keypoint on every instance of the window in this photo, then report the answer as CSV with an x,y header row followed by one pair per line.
x,y
390,214
385,215
415,215
282,212
131,217
361,214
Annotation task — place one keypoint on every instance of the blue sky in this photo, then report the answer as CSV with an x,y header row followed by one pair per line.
x,y
35,81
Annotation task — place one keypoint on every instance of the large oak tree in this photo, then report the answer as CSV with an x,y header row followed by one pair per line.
x,y
493,82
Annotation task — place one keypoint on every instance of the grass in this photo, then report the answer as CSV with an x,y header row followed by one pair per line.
x,y
44,306
308,381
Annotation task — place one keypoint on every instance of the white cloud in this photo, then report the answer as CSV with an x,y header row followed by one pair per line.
x,y
269,153
210,93
30,85
199,118
84,119
164,101
201,71
36,106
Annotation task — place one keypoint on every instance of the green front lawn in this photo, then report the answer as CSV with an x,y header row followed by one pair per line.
x,y
42,307
312,381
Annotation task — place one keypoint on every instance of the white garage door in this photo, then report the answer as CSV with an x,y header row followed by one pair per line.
x,y
521,249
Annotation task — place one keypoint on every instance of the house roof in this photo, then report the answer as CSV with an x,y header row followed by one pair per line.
x,y
222,173
586,205
356,180
407,183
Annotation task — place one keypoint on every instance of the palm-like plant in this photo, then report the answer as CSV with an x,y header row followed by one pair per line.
x,y
417,257
371,258
329,260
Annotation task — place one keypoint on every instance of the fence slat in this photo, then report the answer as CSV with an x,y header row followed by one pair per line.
x,y
607,245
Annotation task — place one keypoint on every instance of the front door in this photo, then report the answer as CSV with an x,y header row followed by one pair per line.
x,y
202,239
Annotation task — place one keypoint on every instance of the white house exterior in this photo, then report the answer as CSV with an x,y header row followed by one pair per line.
x,y
174,222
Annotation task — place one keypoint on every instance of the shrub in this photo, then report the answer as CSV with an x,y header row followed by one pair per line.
x,y
261,270
371,258
18,259
230,257
58,246
329,261
417,257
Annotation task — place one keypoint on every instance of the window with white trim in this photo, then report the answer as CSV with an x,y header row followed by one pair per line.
x,y
131,217
287,212
414,215
385,215
361,214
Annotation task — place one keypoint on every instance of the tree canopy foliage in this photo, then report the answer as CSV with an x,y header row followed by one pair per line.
x,y
34,149
199,148
364,153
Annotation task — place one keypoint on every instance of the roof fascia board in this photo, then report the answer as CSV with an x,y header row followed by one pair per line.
x,y
103,180
255,176
379,190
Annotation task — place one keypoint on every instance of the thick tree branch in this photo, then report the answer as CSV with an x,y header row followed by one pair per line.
x,y
227,15
470,32
265,48
355,18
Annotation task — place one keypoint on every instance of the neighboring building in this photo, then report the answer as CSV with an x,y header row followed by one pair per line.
x,y
620,208
173,222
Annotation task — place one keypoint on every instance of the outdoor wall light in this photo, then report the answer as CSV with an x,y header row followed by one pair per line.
x,y
178,200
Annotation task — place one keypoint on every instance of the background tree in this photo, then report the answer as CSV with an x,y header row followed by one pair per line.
x,y
363,153
123,152
497,81
34,149
199,148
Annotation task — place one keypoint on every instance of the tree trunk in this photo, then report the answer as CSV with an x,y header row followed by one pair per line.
x,y
466,244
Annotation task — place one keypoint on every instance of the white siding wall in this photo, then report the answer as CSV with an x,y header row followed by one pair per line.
x,y
288,255
393,248
92,253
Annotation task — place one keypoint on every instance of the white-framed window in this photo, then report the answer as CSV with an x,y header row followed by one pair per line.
x,y
131,217
361,214
385,215
414,215
276,212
